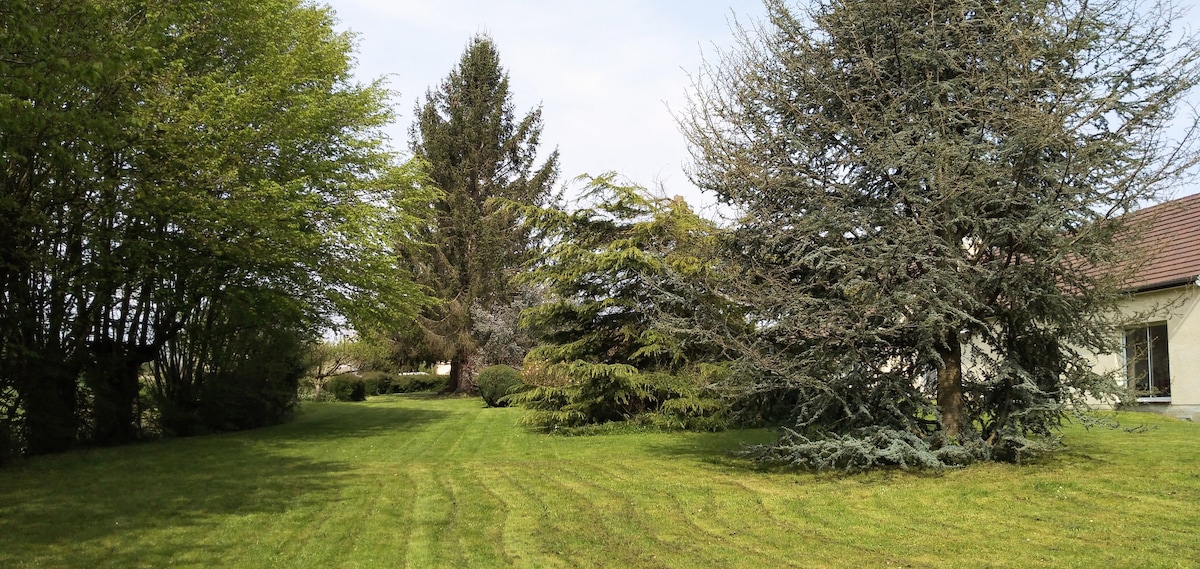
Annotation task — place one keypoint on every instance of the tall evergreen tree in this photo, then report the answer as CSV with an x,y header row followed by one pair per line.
x,y
478,153
928,188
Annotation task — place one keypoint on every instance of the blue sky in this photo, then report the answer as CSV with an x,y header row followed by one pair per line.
x,y
608,74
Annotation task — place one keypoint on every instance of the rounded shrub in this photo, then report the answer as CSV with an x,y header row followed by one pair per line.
x,y
497,381
347,387
377,382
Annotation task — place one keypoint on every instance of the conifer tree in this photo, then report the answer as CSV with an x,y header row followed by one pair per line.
x,y
478,153
619,271
928,191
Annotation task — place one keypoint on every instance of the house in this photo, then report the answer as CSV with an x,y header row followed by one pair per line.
x,y
1161,355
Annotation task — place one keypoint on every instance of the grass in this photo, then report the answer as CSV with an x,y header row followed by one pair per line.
x,y
422,482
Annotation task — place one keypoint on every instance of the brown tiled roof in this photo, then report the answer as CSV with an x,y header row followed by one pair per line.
x,y
1168,244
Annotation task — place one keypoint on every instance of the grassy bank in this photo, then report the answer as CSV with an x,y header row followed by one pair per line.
x,y
418,482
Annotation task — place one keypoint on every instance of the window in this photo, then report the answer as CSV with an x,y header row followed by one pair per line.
x,y
1147,365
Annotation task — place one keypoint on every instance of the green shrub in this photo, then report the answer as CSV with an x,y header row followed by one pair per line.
x,y
245,357
579,396
418,382
497,382
377,382
347,387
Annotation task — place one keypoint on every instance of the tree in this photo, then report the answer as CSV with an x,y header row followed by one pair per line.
x,y
499,337
616,272
165,165
61,137
928,191
478,152
290,193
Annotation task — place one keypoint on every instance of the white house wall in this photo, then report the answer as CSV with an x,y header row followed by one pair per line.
x,y
1180,309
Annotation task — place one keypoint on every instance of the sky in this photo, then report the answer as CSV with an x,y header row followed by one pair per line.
x,y
610,76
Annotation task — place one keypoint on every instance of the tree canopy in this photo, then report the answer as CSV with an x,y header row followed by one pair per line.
x,y
200,185
927,191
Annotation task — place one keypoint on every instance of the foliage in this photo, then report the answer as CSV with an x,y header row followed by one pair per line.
x,y
163,161
237,365
928,197
365,356
477,152
327,359
590,394
348,387
497,382
418,382
614,273
345,387
499,336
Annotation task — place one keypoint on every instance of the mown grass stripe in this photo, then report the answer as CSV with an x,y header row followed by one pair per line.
x,y
428,482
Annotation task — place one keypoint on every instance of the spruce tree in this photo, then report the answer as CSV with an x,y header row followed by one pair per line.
x,y
479,154
930,192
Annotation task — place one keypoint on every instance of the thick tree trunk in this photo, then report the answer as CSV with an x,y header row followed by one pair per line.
x,y
950,387
460,382
48,389
456,372
114,383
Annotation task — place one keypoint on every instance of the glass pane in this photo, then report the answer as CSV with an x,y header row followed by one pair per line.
x,y
1160,362
1137,368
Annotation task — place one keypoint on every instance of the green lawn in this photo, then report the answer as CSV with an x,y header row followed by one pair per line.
x,y
418,482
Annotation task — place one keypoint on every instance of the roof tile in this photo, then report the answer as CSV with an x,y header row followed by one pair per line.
x,y
1169,245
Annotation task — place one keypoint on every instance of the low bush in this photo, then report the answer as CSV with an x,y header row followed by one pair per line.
x,y
418,382
347,387
579,396
495,383
377,382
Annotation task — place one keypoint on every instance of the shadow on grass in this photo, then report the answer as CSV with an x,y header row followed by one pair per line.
x,y
146,506
156,504
324,421
723,449
733,450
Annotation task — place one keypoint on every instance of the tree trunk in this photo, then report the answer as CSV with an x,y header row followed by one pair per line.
x,y
115,386
455,383
460,382
48,389
950,387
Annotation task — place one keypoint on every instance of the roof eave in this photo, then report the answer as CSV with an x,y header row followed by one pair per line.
x,y
1163,285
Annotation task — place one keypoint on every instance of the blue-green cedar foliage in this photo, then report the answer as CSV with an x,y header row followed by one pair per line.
x,y
929,196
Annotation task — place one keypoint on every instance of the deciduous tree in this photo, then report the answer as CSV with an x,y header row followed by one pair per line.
x,y
166,163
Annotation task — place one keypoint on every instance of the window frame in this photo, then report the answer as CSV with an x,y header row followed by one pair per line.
x,y
1149,358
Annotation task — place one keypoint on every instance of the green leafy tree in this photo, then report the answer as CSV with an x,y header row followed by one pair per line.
x,y
929,194
615,272
294,201
62,131
165,162
478,152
